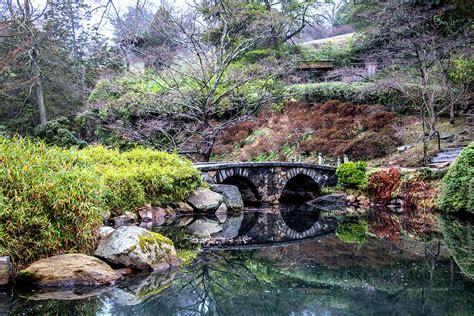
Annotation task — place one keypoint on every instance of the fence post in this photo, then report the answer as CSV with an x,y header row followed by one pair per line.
x,y
320,159
346,159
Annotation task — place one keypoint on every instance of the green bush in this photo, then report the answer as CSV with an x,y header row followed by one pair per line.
x,y
57,132
353,232
457,193
352,174
53,199
141,176
356,92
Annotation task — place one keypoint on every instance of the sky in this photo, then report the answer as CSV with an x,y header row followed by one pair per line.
x,y
121,5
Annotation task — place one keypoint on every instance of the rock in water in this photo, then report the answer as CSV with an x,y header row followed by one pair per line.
x,y
68,271
231,195
182,207
204,199
138,248
6,271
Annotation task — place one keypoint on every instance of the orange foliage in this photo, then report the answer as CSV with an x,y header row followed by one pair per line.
x,y
383,184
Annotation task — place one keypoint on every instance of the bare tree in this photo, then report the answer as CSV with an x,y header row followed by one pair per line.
x,y
203,88
417,47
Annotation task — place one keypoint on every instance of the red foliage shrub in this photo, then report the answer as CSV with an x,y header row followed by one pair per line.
x,y
383,183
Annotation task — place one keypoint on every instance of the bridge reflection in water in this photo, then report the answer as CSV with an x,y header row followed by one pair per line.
x,y
260,227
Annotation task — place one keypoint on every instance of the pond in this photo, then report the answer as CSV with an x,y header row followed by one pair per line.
x,y
283,261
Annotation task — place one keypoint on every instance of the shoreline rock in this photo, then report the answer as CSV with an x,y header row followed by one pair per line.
x,y
203,200
6,271
137,248
68,270
231,195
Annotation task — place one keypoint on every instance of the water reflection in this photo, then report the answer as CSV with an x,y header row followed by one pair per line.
x,y
277,262
261,226
323,276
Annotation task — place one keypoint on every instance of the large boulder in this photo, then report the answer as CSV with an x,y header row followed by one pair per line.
x,y
6,271
231,195
204,200
138,248
68,270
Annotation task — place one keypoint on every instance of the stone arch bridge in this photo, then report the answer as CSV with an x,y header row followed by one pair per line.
x,y
271,182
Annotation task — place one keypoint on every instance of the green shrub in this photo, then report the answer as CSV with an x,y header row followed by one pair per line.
x,y
53,199
57,132
353,232
352,175
141,176
356,92
458,187
459,239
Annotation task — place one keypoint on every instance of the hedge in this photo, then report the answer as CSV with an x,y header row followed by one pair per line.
x,y
356,92
457,193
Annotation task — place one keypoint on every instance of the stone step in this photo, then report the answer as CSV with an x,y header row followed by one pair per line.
x,y
439,160
439,165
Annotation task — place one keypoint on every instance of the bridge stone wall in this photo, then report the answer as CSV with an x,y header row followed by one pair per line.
x,y
268,178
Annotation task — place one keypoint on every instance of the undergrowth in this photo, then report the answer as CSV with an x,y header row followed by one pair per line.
x,y
52,200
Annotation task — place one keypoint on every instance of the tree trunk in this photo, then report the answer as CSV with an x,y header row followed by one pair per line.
x,y
39,93
451,114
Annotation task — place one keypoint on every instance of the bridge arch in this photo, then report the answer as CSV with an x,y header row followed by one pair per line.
x,y
247,188
301,186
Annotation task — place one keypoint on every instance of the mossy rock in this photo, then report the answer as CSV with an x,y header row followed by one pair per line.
x,y
138,248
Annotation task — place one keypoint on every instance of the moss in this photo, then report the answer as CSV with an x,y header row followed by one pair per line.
x,y
145,241
187,255
25,277
153,292
132,249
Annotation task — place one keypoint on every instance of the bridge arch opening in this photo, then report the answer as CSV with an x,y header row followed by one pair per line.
x,y
248,190
300,189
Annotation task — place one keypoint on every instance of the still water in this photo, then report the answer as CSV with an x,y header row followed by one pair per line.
x,y
276,262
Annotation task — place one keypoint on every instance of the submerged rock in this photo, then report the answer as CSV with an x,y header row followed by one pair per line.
x,y
231,195
204,200
68,270
138,248
6,271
